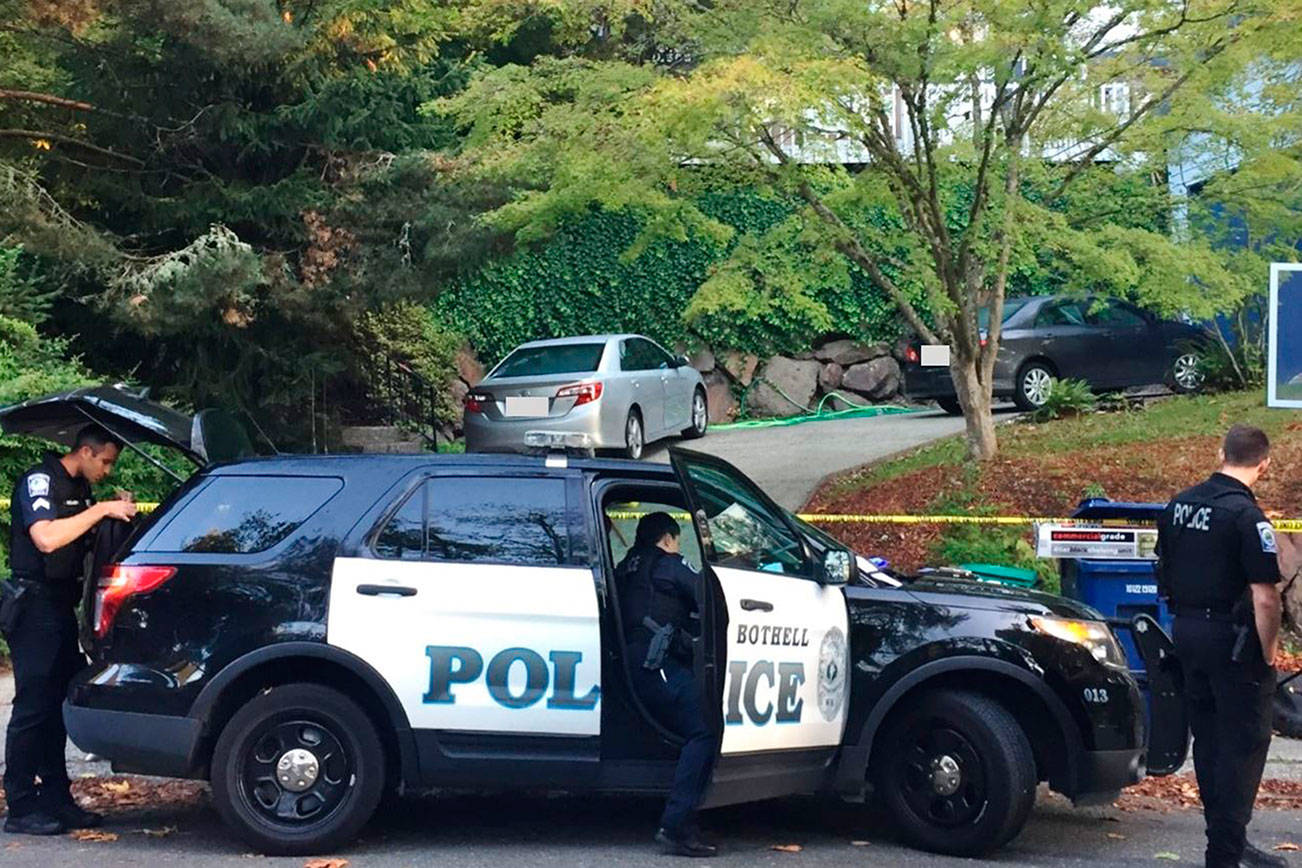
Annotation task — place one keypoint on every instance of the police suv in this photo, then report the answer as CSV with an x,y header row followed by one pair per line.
x,y
309,632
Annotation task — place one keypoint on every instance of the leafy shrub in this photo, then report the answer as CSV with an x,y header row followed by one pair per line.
x,y
1066,398
412,333
993,544
1224,369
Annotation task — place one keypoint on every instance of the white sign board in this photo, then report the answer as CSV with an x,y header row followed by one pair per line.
x,y
1099,543
1284,373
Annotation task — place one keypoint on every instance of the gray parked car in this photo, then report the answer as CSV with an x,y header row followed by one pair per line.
x,y
609,392
1107,342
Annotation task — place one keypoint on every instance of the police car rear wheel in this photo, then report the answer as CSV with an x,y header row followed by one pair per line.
x,y
957,772
298,770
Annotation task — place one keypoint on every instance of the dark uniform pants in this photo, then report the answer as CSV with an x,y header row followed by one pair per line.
x,y
1229,708
675,700
45,656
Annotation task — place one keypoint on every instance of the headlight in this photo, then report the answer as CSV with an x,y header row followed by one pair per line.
x,y
1094,636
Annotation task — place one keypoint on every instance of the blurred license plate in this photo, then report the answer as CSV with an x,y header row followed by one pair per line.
x,y
525,405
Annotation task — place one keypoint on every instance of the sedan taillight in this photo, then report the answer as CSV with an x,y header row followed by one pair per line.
x,y
475,402
911,354
117,584
582,393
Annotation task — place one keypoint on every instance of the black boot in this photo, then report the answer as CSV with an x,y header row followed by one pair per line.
x,y
684,844
1254,857
74,816
35,823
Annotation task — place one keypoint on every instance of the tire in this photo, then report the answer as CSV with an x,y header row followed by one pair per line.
x,y
950,406
341,797
700,416
991,770
634,436
1030,389
1184,377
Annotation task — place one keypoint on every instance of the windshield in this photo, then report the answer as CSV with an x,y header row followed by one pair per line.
x,y
551,359
1011,306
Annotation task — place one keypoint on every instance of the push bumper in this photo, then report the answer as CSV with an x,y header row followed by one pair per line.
x,y
152,744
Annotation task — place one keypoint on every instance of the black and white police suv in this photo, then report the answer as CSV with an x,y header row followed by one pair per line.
x,y
310,632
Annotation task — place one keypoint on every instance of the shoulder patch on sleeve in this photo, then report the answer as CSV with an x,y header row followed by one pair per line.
x,y
38,485
1267,533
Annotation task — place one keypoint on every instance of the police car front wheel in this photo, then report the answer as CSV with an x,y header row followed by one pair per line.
x,y
298,770
957,773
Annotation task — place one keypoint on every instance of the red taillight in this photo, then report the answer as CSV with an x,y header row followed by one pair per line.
x,y
117,583
911,354
475,402
582,393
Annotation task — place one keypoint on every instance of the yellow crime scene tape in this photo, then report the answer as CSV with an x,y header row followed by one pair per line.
x,y
144,506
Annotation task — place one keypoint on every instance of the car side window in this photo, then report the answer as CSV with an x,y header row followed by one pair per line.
x,y
1115,314
657,358
1061,313
244,514
503,520
744,531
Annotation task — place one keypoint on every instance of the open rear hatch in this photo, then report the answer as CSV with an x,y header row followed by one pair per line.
x,y
205,438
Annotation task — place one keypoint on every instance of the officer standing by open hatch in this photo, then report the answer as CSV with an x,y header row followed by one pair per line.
x,y
658,604
52,514
1218,571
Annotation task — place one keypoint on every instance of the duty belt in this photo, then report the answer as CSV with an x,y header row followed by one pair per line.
x,y
1204,613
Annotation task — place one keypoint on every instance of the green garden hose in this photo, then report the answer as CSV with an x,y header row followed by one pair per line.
x,y
856,410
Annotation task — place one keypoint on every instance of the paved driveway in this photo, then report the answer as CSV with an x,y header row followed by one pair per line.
x,y
789,461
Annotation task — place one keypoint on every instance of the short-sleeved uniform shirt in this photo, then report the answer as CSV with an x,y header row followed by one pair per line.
x,y
44,493
1214,541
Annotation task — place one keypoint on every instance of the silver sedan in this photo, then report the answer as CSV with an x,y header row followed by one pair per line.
x,y
617,392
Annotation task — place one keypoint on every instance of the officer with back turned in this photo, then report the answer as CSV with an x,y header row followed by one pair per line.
x,y
51,515
1218,571
658,603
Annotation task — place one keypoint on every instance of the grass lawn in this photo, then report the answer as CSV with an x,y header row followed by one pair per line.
x,y
1046,469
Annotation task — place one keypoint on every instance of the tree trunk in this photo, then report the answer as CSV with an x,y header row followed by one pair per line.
x,y
1290,565
974,397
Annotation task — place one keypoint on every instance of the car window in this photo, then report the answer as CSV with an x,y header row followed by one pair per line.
x,y
1115,314
622,517
487,519
745,532
244,514
551,359
638,355
1061,313
1011,306
656,357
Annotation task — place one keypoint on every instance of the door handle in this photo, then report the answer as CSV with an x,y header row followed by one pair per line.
x,y
753,605
386,591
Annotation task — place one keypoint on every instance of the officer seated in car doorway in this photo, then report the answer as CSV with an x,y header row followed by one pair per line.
x,y
659,604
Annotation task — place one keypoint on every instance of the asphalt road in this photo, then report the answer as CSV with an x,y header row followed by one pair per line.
x,y
494,832
790,461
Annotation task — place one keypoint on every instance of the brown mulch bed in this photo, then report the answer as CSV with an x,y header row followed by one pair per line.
x,y
1180,792
124,793
1045,485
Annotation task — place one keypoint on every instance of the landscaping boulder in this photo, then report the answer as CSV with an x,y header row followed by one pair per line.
x,y
740,366
469,368
786,388
829,376
876,380
703,360
846,352
719,399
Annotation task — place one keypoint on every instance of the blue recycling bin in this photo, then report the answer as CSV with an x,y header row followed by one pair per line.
x,y
1117,588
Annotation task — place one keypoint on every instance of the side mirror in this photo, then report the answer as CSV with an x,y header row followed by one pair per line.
x,y
681,361
838,567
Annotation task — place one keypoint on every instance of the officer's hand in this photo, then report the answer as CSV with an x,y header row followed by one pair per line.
x,y
123,494
122,510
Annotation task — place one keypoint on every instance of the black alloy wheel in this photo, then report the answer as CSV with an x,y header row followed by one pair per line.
x,y
298,770
700,416
957,773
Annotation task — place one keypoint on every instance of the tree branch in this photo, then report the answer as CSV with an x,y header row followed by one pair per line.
x,y
69,140
48,99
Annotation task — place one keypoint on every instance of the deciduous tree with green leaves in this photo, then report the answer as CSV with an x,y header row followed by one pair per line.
x,y
928,144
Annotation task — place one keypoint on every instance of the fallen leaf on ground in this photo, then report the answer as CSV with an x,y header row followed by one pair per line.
x,y
325,863
93,835
1117,836
787,848
1170,857
116,787
1288,846
159,833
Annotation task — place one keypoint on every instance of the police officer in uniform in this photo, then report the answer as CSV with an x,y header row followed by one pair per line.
x,y
52,514
659,603
1218,571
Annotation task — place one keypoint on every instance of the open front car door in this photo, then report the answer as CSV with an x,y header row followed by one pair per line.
x,y
1168,724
